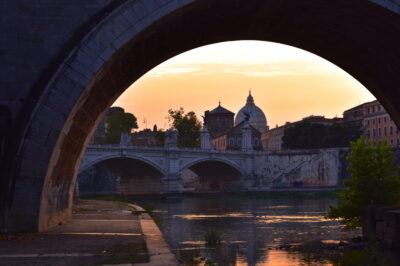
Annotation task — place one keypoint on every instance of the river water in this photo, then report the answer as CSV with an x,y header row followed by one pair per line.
x,y
254,229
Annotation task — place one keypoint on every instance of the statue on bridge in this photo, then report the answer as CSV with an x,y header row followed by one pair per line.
x,y
125,140
171,138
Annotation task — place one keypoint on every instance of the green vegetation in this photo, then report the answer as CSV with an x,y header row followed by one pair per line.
x,y
118,122
107,197
306,135
188,127
209,263
150,212
374,181
212,238
159,135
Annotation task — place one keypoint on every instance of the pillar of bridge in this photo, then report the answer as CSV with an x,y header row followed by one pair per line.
x,y
172,183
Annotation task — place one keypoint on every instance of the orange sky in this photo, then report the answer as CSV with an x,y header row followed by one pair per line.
x,y
287,84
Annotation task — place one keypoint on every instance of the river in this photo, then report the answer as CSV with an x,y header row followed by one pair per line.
x,y
253,229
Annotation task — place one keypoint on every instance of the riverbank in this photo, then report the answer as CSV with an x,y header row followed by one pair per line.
x,y
99,233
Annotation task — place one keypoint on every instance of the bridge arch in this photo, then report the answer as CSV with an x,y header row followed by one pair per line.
x,y
214,174
129,175
229,163
140,34
86,164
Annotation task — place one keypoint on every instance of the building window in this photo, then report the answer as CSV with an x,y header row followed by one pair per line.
x,y
231,142
373,121
391,141
391,130
398,142
239,141
256,142
379,120
368,122
384,119
374,132
379,132
368,134
385,131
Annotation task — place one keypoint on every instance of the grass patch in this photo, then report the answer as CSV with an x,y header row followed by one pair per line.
x,y
150,212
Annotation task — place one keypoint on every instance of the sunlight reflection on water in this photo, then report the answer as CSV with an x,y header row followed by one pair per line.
x,y
252,231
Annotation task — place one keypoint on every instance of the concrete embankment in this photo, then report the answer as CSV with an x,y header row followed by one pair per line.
x,y
99,233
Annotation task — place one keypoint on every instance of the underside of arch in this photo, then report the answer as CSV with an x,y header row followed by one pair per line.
x,y
358,36
134,176
216,176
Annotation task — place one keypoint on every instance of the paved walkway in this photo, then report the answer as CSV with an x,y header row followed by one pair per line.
x,y
100,233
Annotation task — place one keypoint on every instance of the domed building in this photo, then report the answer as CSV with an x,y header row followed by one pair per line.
x,y
226,134
256,116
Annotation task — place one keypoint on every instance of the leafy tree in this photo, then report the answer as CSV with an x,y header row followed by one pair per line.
x,y
188,127
159,135
118,122
306,135
374,181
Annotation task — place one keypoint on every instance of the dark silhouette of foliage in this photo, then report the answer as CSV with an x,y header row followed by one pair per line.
x,y
374,181
118,122
159,135
188,127
306,135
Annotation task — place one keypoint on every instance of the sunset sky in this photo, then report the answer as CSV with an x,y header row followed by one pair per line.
x,y
287,84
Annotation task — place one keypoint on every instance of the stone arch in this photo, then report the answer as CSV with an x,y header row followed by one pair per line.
x,y
131,174
100,159
140,34
214,174
231,164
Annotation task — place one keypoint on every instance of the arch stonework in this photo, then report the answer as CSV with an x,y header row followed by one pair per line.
x,y
61,112
101,158
230,163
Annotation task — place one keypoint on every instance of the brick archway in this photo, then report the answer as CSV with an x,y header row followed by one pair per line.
x,y
359,36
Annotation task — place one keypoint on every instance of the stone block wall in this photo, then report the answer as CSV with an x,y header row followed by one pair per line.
x,y
383,222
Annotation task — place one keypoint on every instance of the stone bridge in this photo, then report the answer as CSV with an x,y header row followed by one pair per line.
x,y
216,170
63,63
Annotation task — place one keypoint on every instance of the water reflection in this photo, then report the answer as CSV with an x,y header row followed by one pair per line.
x,y
252,230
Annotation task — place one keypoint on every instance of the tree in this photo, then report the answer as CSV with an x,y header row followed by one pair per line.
x,y
159,135
188,127
118,122
374,181
306,135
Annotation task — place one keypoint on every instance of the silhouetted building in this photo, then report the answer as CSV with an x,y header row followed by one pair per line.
x,y
272,139
376,122
218,120
144,138
232,140
256,116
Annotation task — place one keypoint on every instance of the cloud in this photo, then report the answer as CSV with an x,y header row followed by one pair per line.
x,y
173,70
290,68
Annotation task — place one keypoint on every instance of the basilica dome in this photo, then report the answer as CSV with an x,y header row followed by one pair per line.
x,y
256,116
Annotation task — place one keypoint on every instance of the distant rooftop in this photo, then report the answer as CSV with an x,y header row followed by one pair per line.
x,y
220,110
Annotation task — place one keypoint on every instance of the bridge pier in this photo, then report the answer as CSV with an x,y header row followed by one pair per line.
x,y
172,183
